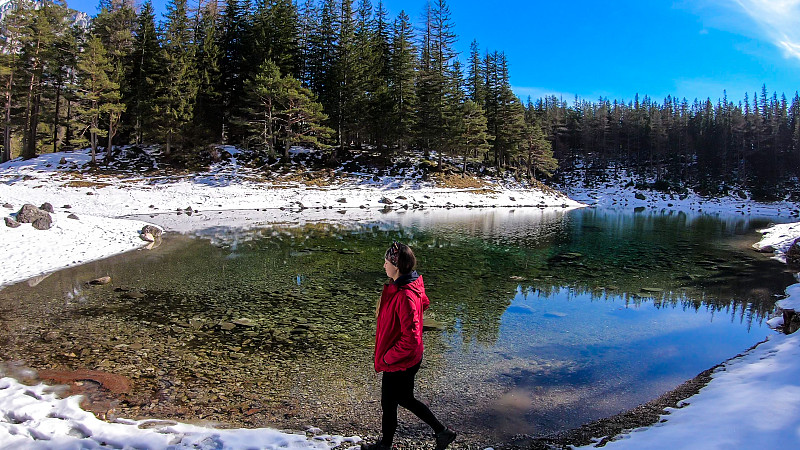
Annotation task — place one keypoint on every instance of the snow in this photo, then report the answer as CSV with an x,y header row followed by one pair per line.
x,y
33,417
619,192
753,401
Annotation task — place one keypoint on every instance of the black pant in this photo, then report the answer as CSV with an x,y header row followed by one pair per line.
x,y
398,389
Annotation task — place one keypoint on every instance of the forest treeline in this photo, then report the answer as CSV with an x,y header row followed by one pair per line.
x,y
340,74
266,76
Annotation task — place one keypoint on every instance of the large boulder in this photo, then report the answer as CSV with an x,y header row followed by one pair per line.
x,y
41,220
43,223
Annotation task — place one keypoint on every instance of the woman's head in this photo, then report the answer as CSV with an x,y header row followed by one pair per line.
x,y
400,257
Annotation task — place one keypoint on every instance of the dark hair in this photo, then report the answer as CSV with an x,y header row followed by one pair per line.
x,y
402,257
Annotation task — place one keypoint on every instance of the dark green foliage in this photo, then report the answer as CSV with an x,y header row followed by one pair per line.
x,y
177,87
146,65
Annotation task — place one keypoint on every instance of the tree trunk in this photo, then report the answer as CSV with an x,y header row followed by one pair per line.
x,y
56,116
7,127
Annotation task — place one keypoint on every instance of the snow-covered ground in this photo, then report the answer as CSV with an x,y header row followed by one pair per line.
x,y
619,192
752,402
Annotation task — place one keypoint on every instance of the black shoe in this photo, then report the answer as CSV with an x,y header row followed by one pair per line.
x,y
376,446
444,438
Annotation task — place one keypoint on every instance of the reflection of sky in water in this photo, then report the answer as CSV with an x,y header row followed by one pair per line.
x,y
578,357
649,338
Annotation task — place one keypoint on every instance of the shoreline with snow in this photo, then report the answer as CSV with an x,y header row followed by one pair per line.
x,y
224,197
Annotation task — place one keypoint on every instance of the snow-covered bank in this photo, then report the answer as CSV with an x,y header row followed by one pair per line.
x,y
32,417
620,192
752,401
29,252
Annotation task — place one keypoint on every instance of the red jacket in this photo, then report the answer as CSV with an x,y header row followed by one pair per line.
x,y
398,337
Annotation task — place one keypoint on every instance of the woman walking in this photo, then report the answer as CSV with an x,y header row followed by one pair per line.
x,y
398,346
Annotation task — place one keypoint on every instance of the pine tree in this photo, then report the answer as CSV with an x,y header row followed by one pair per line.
x,y
233,29
12,29
114,25
346,113
435,59
402,81
146,64
476,76
264,94
98,96
209,55
37,53
324,62
539,152
302,118
178,86
474,140
273,35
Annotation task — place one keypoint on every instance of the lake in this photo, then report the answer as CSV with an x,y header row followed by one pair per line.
x,y
548,318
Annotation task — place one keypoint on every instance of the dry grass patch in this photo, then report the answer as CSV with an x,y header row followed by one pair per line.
x,y
319,178
458,182
86,184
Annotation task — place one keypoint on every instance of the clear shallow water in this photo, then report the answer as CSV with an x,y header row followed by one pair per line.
x,y
551,319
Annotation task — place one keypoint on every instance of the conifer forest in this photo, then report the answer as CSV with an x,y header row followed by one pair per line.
x,y
341,75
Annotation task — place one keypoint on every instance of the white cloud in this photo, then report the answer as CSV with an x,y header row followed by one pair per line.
x,y
778,20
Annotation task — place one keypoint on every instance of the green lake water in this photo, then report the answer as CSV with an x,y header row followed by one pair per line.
x,y
550,319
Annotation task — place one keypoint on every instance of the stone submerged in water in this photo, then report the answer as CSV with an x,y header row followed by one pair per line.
x,y
100,281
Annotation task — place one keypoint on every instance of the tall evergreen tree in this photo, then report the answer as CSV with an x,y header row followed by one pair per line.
x,y
232,46
402,82
178,86
114,26
209,55
264,94
12,33
146,65
37,54
539,152
98,96
474,139
476,77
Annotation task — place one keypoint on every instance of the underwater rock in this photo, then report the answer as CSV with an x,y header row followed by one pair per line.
x,y
132,295
115,383
100,281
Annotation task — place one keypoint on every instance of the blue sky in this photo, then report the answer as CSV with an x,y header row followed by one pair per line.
x,y
618,48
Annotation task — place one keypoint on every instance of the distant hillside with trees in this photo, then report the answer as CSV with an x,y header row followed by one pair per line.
x,y
340,75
